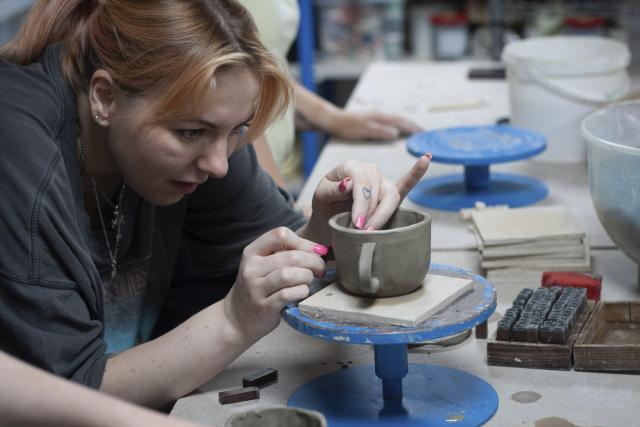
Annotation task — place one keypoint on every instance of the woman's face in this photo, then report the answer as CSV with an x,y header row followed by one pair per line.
x,y
164,161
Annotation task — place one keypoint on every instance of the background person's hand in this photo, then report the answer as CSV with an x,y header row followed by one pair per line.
x,y
362,189
316,113
371,126
275,270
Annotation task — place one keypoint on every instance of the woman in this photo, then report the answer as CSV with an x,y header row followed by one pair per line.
x,y
126,167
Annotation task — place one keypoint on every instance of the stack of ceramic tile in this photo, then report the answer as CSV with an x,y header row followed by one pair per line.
x,y
535,238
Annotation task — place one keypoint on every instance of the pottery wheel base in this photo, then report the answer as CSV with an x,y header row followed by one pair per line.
x,y
432,396
450,193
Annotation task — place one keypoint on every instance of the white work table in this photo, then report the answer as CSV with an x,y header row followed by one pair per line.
x,y
573,398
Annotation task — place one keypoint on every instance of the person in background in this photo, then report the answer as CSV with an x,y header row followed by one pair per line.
x,y
31,397
277,23
127,169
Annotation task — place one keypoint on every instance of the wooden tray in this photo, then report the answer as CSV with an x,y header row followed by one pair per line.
x,y
536,355
610,340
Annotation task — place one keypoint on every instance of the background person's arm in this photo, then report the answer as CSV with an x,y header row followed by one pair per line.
x,y
315,113
31,397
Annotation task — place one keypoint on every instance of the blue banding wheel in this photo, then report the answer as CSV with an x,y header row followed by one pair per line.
x,y
476,147
450,192
392,392
464,313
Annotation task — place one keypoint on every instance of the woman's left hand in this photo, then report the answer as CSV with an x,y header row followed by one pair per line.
x,y
362,189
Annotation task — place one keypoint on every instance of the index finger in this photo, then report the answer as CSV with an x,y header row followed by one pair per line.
x,y
283,239
407,182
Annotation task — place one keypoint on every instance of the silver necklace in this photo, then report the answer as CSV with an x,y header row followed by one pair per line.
x,y
116,221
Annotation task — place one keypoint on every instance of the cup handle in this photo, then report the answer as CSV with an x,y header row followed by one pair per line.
x,y
368,284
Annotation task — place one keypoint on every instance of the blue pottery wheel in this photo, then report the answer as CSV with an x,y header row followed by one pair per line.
x,y
476,148
392,392
433,396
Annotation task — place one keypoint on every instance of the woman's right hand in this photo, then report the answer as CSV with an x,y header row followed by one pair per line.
x,y
275,271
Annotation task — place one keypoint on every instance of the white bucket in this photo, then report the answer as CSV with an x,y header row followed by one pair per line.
x,y
554,82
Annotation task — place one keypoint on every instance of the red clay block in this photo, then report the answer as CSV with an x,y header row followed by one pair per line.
x,y
238,395
591,282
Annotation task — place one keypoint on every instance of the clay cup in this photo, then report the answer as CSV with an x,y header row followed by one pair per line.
x,y
387,262
277,416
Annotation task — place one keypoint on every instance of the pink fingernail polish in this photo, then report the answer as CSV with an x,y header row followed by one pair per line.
x,y
360,220
429,155
343,184
320,249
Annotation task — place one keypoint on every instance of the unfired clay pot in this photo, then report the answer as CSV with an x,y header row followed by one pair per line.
x,y
277,416
388,262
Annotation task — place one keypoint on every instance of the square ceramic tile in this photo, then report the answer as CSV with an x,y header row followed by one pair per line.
x,y
534,248
578,261
525,225
411,309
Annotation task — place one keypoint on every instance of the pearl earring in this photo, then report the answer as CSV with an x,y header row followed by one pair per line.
x,y
96,118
